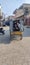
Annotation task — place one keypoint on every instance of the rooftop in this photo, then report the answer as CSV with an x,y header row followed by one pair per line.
x,y
21,7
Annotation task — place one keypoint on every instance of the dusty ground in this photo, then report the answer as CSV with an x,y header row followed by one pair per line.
x,y
14,52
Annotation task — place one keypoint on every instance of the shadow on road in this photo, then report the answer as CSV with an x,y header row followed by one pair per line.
x,y
5,38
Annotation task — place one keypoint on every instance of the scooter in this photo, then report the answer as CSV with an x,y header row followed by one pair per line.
x,y
1,30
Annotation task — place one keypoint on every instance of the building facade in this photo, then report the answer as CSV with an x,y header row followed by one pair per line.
x,y
1,16
23,13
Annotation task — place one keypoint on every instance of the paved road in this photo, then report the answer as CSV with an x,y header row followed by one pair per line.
x,y
16,52
26,32
6,37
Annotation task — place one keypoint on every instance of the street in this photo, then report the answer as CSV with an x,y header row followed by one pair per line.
x,y
15,52
26,32
6,37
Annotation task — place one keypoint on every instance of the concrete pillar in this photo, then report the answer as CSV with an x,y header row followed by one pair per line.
x,y
11,25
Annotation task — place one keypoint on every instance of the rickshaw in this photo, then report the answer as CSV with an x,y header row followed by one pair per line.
x,y
15,30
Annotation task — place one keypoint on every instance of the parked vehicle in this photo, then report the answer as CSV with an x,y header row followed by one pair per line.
x,y
15,29
1,30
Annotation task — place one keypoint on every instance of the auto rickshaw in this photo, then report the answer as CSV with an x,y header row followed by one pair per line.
x,y
15,29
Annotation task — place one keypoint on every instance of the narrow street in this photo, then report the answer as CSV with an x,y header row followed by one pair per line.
x,y
15,52
26,32
6,37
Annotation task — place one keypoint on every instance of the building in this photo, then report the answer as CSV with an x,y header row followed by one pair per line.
x,y
2,17
23,13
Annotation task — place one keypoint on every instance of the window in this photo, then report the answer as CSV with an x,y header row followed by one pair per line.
x,y
26,11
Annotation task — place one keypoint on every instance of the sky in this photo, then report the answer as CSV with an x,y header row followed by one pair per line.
x,y
8,6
